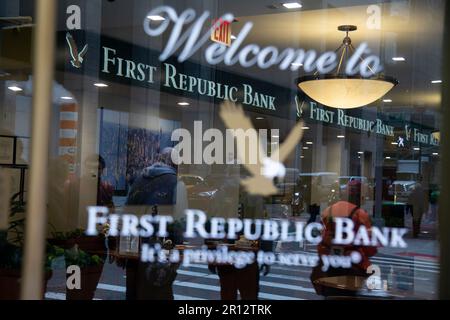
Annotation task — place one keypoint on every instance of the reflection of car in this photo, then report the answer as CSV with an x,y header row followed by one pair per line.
x,y
401,190
289,191
365,188
214,194
318,187
191,180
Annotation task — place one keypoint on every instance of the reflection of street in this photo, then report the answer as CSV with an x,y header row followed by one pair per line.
x,y
414,272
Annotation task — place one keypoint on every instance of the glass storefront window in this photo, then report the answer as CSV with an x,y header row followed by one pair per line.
x,y
229,149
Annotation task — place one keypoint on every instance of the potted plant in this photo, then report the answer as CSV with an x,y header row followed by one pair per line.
x,y
91,267
68,240
11,252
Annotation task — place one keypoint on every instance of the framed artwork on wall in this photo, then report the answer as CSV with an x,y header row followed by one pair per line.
x,y
6,150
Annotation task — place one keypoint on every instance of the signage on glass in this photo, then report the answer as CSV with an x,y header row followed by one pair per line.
x,y
186,37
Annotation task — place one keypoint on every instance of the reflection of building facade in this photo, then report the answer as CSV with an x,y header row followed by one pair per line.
x,y
121,103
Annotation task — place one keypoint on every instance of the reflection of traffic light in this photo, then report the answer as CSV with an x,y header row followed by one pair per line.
x,y
241,211
5,191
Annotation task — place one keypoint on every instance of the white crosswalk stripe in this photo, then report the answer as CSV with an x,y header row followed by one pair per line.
x,y
282,283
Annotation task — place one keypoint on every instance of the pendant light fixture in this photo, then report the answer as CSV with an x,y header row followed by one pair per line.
x,y
339,90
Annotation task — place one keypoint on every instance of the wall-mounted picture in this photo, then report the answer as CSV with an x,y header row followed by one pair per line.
x,y
23,151
14,176
7,150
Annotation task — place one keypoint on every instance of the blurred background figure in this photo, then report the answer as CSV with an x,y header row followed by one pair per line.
x,y
348,207
418,204
157,191
105,189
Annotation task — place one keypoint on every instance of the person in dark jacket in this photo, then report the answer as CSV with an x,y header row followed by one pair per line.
x,y
159,191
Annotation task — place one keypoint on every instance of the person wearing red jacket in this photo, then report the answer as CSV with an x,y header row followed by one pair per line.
x,y
349,207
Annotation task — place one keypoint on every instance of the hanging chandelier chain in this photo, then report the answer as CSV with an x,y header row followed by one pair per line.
x,y
352,48
341,60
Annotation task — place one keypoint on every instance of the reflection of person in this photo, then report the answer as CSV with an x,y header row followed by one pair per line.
x,y
348,207
157,188
105,189
243,280
315,199
417,203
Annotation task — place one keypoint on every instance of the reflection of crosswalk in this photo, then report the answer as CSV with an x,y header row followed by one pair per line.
x,y
282,283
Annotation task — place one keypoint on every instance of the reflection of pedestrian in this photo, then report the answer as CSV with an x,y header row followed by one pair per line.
x,y
416,201
157,191
314,207
348,207
244,281
105,189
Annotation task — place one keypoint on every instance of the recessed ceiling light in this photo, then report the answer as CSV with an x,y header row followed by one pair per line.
x,y
361,152
388,158
15,88
292,5
156,18
436,81
416,149
341,137
309,142
399,59
233,37
66,98
260,118
100,85
387,100
305,148
435,154
183,103
305,128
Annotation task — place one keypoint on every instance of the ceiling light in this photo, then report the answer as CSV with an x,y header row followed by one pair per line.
x,y
292,5
341,137
15,88
302,157
260,118
66,98
398,59
388,158
305,128
394,143
387,100
435,154
339,90
183,104
305,148
416,149
156,18
361,152
309,142
100,85
436,81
